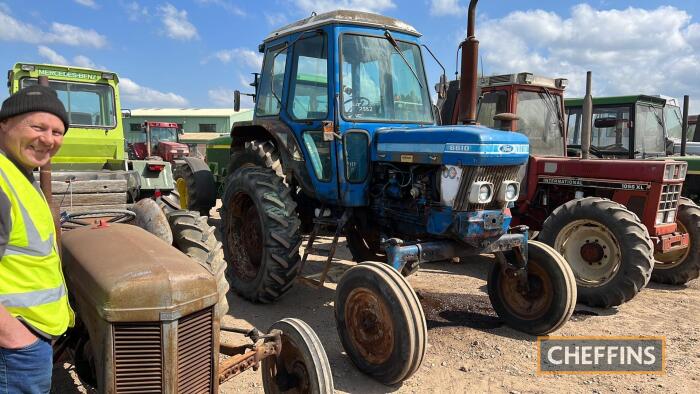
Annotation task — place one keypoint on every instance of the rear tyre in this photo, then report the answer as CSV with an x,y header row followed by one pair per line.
x,y
256,153
302,366
683,266
193,236
606,246
547,302
380,322
196,189
260,231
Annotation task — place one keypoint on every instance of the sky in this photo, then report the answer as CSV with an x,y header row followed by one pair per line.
x,y
194,54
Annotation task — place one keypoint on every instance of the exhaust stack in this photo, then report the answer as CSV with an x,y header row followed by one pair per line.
x,y
587,119
684,132
470,58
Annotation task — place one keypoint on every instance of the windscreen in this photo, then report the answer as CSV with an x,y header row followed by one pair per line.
x,y
88,105
649,131
379,85
673,119
541,120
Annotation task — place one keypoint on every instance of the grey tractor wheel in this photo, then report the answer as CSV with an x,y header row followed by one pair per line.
x,y
681,267
195,189
549,298
302,366
260,230
193,236
607,247
380,322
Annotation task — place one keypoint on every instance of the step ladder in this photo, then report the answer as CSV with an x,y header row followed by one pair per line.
x,y
321,223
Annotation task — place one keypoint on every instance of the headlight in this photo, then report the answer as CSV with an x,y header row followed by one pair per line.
x,y
481,193
509,191
660,218
449,184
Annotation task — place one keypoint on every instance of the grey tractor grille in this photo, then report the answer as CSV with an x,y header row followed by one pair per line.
x,y
668,203
494,174
194,357
138,358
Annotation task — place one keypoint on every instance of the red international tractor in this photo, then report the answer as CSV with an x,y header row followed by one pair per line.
x,y
608,218
194,183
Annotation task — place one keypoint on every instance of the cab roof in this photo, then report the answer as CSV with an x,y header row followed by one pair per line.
x,y
344,17
577,102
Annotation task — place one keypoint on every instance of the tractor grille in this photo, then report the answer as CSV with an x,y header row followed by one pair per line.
x,y
668,204
138,358
494,174
194,357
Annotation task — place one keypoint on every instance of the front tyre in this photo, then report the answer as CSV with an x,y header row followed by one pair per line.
x,y
547,300
380,322
607,247
302,366
260,233
677,268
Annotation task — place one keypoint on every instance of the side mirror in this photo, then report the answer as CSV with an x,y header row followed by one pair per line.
x,y
126,113
604,123
236,100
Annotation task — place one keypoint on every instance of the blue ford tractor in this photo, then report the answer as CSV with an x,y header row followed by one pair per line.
x,y
344,138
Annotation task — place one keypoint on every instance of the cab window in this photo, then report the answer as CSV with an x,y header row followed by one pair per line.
x,y
308,95
269,100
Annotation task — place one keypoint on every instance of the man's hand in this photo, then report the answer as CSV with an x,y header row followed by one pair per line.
x,y
13,334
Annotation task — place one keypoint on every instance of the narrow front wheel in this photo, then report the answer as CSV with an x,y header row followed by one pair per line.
x,y
543,301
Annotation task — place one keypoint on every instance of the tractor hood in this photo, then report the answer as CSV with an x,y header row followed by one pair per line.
x,y
174,145
454,145
121,272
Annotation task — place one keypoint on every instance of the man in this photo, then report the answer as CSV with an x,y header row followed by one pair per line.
x,y
33,301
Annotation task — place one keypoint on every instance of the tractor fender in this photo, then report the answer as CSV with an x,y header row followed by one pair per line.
x,y
284,140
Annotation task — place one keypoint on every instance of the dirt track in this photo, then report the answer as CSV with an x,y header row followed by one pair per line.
x,y
469,348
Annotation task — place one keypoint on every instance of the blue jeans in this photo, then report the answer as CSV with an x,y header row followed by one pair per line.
x,y
26,370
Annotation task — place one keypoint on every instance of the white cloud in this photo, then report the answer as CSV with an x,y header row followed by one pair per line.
x,y
446,7
307,6
55,58
275,19
221,97
242,56
226,5
652,51
177,26
136,11
52,56
134,93
84,61
87,3
12,29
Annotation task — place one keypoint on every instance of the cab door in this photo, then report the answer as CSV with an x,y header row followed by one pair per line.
x,y
309,110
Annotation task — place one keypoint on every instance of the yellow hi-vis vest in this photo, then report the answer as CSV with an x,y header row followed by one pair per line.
x,y
31,280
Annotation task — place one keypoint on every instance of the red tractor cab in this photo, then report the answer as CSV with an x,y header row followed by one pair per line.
x,y
159,139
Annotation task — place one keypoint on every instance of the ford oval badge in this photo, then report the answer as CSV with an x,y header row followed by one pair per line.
x,y
506,148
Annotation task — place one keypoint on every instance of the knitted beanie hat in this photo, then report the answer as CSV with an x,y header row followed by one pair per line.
x,y
35,98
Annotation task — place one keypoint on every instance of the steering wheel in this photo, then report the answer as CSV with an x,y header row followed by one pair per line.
x,y
71,221
361,101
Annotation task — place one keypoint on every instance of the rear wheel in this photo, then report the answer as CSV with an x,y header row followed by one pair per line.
x,y
193,236
260,231
677,268
606,246
380,322
302,366
195,186
541,303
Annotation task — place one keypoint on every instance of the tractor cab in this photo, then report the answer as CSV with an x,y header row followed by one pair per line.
x,y
623,127
529,104
161,139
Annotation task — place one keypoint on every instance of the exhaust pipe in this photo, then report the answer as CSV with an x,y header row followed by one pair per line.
x,y
587,119
684,132
470,59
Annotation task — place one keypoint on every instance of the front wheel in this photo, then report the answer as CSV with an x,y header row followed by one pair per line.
x,y
544,301
302,366
683,266
195,186
380,322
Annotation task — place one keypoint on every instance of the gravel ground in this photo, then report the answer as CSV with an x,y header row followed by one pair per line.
x,y
470,350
